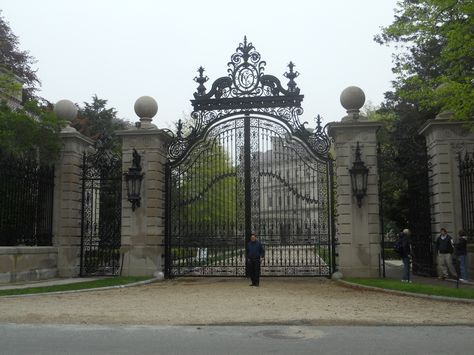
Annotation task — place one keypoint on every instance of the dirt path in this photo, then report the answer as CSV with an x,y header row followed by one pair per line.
x,y
227,301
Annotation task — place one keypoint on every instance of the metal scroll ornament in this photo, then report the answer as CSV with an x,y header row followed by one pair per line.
x,y
247,90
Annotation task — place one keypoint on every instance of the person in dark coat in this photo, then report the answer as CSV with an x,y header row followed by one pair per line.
x,y
254,254
461,252
405,254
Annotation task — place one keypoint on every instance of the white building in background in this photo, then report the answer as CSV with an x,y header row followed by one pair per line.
x,y
289,198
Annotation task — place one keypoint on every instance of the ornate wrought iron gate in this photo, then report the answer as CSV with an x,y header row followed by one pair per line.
x,y
420,216
101,213
248,165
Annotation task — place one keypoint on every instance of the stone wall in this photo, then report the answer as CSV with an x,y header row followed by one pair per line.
x,y
23,263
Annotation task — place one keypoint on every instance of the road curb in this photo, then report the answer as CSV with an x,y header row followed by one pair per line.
x,y
404,293
138,283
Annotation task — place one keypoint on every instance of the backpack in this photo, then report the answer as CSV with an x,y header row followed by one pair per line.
x,y
397,247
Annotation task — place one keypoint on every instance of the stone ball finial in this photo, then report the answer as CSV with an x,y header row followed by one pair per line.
x,y
65,110
352,99
146,107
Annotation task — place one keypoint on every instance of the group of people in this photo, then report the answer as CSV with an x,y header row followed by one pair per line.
x,y
444,249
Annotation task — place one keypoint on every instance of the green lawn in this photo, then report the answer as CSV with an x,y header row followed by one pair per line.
x,y
110,281
416,288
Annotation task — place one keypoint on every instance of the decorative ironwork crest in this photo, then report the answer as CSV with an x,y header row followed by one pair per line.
x,y
248,90
104,161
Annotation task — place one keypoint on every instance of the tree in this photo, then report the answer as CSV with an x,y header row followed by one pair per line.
x,y
16,61
402,160
204,195
434,59
9,85
95,120
434,66
31,131
209,186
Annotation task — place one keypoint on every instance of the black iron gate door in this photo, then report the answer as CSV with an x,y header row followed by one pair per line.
x,y
415,211
101,213
466,180
250,169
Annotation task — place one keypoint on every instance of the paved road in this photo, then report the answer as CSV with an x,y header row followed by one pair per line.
x,y
89,339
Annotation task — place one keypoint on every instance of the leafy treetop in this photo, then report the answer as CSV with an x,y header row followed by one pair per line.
x,y
434,59
16,61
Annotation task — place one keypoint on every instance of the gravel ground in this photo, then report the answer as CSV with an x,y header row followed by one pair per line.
x,y
231,301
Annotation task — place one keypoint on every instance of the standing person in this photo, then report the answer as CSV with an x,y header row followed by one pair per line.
x,y
405,253
444,250
254,253
461,252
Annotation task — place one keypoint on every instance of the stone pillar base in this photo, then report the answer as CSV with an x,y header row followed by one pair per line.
x,y
68,261
141,261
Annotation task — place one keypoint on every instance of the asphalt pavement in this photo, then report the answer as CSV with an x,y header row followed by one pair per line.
x,y
89,339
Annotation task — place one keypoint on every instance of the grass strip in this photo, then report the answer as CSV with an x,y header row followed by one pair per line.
x,y
106,282
396,285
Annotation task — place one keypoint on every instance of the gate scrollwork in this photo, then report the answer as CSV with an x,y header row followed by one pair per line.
x,y
248,90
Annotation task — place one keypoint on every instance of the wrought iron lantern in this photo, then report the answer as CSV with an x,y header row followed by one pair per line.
x,y
133,179
359,174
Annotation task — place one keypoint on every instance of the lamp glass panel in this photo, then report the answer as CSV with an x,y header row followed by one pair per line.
x,y
359,181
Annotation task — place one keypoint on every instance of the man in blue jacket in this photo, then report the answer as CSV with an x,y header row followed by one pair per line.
x,y
254,253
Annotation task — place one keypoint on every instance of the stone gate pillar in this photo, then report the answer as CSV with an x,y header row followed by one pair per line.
x,y
358,228
445,139
143,230
68,193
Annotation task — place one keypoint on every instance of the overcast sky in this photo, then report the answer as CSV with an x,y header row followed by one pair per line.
x,y
121,50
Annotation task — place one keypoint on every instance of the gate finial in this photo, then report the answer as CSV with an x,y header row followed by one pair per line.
x,y
201,79
319,127
291,75
179,128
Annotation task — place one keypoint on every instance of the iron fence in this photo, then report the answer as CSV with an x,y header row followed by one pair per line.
x,y
101,213
26,211
466,176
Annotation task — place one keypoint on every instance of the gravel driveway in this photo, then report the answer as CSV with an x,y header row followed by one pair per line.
x,y
232,301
